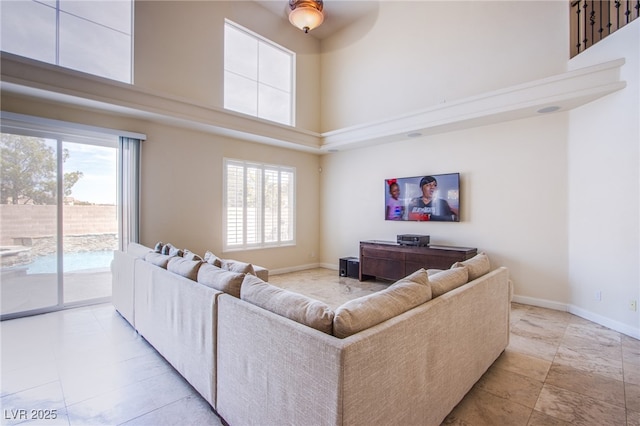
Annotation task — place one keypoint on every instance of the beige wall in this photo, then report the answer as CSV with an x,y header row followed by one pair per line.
x,y
179,50
181,185
182,194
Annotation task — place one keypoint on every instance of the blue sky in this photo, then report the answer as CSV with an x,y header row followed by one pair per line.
x,y
98,164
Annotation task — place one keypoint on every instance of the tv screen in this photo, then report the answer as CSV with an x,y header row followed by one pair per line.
x,y
423,198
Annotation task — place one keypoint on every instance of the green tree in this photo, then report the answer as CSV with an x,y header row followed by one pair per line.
x,y
28,170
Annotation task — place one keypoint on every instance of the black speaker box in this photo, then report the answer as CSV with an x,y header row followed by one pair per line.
x,y
350,267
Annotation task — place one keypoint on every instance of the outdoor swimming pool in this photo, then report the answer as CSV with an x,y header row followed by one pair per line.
x,y
72,262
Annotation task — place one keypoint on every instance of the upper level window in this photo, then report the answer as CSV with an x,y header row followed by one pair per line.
x,y
258,76
89,36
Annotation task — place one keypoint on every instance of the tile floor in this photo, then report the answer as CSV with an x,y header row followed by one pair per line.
x,y
87,366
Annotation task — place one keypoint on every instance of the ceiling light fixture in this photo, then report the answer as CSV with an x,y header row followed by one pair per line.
x,y
306,14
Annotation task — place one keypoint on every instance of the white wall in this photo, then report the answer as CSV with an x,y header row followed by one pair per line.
x,y
514,182
604,191
409,55
513,198
528,186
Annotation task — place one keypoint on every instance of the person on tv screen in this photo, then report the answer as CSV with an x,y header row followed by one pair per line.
x,y
395,207
427,207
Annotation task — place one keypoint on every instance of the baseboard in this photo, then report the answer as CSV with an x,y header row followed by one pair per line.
x,y
303,268
582,313
295,268
607,322
335,267
542,303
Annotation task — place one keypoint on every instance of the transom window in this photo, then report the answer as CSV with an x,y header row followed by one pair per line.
x,y
89,36
258,75
259,205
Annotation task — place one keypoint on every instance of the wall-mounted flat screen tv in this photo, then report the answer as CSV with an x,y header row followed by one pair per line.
x,y
423,198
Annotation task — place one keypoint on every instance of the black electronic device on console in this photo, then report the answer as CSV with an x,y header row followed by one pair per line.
x,y
413,240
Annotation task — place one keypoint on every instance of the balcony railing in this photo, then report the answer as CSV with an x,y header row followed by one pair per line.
x,y
593,20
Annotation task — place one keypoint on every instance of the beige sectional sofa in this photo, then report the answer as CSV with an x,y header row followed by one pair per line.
x,y
406,355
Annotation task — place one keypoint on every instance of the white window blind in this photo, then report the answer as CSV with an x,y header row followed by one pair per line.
x,y
259,205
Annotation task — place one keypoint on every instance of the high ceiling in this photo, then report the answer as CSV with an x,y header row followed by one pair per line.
x,y
337,13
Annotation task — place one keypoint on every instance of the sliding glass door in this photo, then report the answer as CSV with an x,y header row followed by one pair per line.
x,y
58,221
29,238
89,219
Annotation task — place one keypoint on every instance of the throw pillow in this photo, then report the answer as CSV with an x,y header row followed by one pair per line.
x,y
235,266
294,306
184,267
447,280
174,251
212,259
157,259
365,312
189,255
478,265
158,247
220,279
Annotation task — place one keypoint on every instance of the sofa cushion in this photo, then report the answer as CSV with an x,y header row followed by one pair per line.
x,y
212,259
444,281
478,265
157,259
184,267
365,312
236,266
294,306
220,279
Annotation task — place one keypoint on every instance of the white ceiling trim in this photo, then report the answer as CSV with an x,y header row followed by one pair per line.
x,y
565,91
25,77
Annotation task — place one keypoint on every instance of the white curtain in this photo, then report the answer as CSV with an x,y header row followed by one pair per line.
x,y
129,191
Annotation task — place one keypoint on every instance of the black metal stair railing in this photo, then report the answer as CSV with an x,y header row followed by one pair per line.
x,y
593,20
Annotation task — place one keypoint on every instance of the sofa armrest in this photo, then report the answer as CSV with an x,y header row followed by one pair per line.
x,y
271,368
262,273
122,288
177,316
415,368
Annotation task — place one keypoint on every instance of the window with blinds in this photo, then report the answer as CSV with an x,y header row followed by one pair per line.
x,y
259,205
